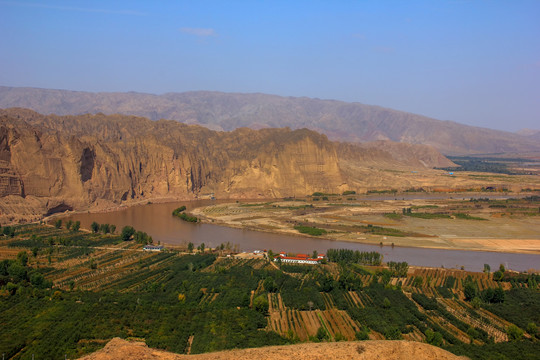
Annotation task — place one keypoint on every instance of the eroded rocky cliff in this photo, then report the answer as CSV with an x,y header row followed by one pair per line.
x,y
89,161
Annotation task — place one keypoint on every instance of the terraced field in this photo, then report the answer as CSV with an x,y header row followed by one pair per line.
x,y
86,288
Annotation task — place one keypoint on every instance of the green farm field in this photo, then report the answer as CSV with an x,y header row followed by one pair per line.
x,y
66,292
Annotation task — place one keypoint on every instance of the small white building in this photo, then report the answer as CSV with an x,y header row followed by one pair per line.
x,y
299,259
153,248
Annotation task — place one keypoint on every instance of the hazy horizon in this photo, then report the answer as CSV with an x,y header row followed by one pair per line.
x,y
475,63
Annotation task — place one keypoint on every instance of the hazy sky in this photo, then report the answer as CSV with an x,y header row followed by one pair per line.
x,y
474,62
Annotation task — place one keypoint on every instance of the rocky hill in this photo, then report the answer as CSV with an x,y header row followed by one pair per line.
x,y
51,163
530,134
366,350
351,122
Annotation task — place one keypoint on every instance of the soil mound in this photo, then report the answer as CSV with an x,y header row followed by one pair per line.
x,y
362,350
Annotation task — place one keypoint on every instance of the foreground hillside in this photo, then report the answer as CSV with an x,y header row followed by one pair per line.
x,y
222,111
57,163
364,350
66,292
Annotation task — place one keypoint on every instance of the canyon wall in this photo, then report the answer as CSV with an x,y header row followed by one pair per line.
x,y
97,161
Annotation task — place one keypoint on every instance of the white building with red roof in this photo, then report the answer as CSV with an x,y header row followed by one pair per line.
x,y
299,259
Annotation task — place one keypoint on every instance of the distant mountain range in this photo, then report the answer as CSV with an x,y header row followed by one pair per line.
x,y
351,122
530,133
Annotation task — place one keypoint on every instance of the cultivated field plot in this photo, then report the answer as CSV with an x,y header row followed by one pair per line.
x,y
66,292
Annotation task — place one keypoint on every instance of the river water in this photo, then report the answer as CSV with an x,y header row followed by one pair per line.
x,y
157,221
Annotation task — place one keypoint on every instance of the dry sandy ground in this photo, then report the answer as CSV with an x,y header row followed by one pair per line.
x,y
118,349
504,234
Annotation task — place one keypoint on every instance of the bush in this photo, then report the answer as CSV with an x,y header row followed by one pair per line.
x,y
322,334
514,333
179,212
434,338
10,231
310,230
532,329
498,275
363,334
393,333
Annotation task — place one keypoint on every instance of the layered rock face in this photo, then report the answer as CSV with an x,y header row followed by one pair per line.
x,y
77,162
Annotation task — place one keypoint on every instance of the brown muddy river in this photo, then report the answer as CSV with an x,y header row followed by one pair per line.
x,y
157,221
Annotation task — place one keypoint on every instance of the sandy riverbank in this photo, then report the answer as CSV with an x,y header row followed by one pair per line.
x,y
496,234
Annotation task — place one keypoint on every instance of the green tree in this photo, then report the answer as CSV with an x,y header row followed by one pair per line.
x,y
498,275
487,268
95,227
532,329
105,228
322,334
22,258
58,224
37,279
261,304
8,231
76,226
498,295
473,334
476,302
270,285
17,272
470,291
190,247
127,233
386,303
93,264
327,283
12,288
393,333
363,334
434,338
113,229
69,223
514,333
201,247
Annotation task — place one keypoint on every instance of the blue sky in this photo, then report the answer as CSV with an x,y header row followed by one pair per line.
x,y
474,62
